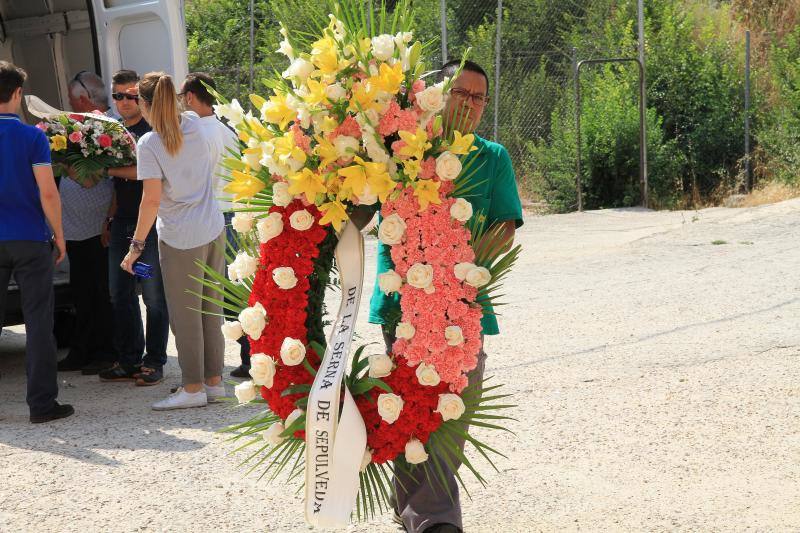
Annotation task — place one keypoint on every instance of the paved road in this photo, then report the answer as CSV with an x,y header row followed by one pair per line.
x,y
655,358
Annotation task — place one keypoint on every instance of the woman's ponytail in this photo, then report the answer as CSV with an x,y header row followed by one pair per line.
x,y
158,90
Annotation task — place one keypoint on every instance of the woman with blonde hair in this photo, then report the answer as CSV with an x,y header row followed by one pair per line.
x,y
174,164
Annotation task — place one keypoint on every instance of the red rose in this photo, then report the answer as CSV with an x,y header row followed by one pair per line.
x,y
104,140
78,118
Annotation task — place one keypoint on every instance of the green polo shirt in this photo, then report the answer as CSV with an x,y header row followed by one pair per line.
x,y
494,199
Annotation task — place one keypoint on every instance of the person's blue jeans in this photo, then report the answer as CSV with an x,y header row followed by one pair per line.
x,y
244,342
129,339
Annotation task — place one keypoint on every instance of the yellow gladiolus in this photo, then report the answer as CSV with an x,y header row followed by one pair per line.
x,y
258,129
462,145
334,213
285,149
277,112
427,192
308,183
416,143
244,185
328,125
364,95
324,56
316,93
58,143
389,78
412,168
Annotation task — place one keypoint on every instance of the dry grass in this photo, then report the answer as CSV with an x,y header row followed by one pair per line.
x,y
771,193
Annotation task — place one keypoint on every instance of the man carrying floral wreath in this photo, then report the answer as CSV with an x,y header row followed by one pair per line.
x,y
423,507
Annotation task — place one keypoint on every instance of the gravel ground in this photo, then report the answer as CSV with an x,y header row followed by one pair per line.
x,y
655,358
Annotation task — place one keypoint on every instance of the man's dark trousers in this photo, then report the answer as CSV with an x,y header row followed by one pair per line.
x,y
32,265
93,338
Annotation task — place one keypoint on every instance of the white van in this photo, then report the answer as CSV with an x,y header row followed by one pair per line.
x,y
53,40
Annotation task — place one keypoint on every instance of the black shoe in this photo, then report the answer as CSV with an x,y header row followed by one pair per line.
x,y
241,371
443,528
56,412
71,363
119,373
95,367
149,376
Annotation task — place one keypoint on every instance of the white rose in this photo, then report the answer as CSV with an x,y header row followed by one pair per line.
x,y
300,69
242,267
253,320
427,375
292,352
451,406
383,47
301,220
380,366
346,147
420,276
389,407
431,99
232,331
335,92
448,166
245,392
392,229
415,452
365,460
390,282
462,269
405,330
243,222
454,335
461,210
368,197
262,369
269,227
478,277
280,194
284,278
273,434
293,417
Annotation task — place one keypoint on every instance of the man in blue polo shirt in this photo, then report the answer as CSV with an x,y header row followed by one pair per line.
x,y
29,200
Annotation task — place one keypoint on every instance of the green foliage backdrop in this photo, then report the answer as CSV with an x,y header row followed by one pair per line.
x,y
695,70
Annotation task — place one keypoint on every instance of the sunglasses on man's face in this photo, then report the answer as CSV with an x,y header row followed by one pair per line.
x,y
124,96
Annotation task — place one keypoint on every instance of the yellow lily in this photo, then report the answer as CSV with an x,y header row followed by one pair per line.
x,y
334,213
276,111
324,56
308,183
379,179
412,168
355,179
416,143
427,192
326,151
462,145
328,125
244,185
58,143
364,95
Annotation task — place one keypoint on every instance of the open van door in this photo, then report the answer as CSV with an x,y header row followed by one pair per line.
x,y
141,35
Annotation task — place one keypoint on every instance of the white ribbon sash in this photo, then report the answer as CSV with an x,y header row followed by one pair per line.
x,y
335,444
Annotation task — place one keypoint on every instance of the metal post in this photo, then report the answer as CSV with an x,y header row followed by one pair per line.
x,y
576,77
643,104
443,20
252,45
498,45
747,162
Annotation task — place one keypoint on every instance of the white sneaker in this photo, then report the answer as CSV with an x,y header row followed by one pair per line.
x,y
215,392
181,399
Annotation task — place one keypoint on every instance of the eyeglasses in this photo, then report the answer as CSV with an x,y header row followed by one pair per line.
x,y
477,98
124,96
78,79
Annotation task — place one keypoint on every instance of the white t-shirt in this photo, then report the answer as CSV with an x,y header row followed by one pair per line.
x,y
189,215
223,140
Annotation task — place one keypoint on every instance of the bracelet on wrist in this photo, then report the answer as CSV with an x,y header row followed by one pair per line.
x,y
137,246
